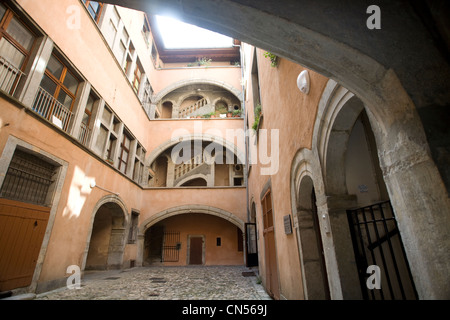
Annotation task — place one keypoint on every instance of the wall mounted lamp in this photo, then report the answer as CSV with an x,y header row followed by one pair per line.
x,y
303,81
93,185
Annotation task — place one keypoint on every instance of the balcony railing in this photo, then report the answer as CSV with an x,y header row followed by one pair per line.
x,y
184,168
192,108
10,77
84,134
51,109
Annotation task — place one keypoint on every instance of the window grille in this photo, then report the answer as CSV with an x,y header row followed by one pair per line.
x,y
28,179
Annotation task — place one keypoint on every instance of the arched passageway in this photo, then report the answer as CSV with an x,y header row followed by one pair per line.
x,y
196,236
315,279
106,244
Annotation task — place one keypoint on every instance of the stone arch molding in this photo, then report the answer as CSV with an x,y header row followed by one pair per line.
x,y
111,198
195,208
192,137
160,95
228,216
306,165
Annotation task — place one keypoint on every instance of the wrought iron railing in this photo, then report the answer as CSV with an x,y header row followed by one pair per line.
x,y
83,136
51,109
377,242
10,77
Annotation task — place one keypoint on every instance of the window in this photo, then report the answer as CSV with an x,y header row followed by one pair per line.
x,y
105,144
137,78
16,40
16,43
60,82
124,153
139,165
146,30
28,179
94,8
86,120
154,53
113,25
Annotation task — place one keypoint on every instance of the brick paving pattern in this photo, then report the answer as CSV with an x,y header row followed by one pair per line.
x,y
165,283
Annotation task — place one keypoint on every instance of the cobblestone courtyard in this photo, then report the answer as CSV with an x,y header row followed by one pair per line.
x,y
165,283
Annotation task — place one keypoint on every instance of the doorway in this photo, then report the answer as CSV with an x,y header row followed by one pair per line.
x,y
107,240
312,253
272,284
195,250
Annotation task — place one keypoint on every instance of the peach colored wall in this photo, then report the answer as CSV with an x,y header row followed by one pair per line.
x,y
95,62
70,231
211,228
73,220
229,199
285,108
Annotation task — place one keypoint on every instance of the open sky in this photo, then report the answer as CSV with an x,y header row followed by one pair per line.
x,y
177,34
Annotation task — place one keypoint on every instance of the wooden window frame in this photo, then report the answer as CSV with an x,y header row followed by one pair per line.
x,y
4,23
99,11
60,82
122,149
137,78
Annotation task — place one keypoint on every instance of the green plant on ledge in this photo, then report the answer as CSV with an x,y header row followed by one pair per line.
x,y
273,58
258,112
236,113
200,62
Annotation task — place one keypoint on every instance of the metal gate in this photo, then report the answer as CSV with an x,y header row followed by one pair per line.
x,y
376,241
171,246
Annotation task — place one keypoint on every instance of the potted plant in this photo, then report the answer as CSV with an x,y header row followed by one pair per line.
x,y
229,114
236,113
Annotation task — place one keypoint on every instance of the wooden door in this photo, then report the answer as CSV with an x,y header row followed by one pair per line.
x,y
196,250
270,249
22,230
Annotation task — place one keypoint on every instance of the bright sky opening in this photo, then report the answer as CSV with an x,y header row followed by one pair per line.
x,y
180,35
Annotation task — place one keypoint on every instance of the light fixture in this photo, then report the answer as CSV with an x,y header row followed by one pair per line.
x,y
303,81
93,185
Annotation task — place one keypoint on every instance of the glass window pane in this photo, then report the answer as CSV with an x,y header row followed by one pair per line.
x,y
48,85
2,11
65,99
86,118
71,82
11,54
90,103
20,33
106,116
126,142
55,67
101,139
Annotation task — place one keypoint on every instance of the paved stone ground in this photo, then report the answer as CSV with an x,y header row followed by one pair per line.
x,y
165,283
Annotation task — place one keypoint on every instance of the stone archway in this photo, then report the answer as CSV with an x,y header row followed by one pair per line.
x,y
314,271
106,242
177,211
401,95
342,121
